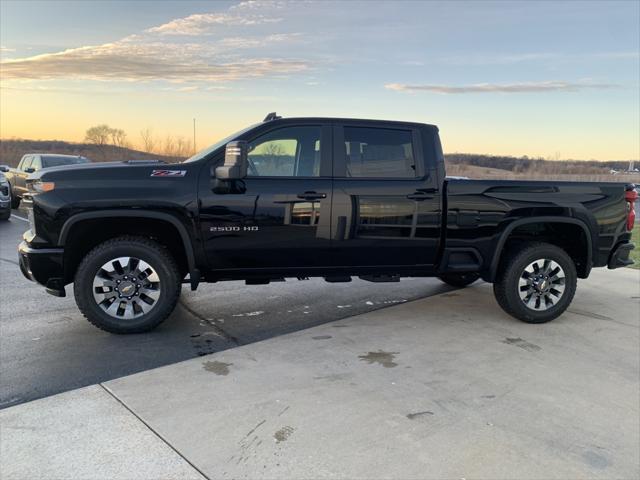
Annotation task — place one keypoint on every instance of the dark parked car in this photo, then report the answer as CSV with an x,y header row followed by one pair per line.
x,y
323,197
33,162
5,199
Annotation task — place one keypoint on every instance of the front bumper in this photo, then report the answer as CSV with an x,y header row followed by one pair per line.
x,y
620,256
44,266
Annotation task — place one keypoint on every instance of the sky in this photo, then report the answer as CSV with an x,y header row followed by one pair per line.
x,y
551,79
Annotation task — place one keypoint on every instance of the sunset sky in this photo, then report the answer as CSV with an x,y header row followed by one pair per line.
x,y
551,79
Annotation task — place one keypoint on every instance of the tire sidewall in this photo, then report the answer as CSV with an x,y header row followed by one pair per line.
x,y
512,284
83,287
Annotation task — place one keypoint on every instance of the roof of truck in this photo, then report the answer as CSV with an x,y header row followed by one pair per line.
x,y
272,117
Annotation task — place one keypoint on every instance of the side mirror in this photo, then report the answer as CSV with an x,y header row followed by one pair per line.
x,y
29,170
4,168
235,162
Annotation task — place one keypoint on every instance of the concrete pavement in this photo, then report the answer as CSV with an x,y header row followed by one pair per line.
x,y
444,387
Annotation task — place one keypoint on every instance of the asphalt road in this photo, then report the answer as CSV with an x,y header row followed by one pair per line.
x,y
47,347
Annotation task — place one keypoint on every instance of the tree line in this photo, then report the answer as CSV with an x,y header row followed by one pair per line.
x,y
170,146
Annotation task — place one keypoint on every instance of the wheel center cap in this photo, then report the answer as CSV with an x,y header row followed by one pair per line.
x,y
126,288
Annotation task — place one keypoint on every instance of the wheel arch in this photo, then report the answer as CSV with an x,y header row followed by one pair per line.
x,y
543,220
159,218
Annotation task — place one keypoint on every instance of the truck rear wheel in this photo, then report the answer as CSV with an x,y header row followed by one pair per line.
x,y
459,280
537,283
127,285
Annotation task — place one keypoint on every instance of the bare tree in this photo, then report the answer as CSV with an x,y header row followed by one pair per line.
x,y
176,147
274,150
98,135
118,138
148,140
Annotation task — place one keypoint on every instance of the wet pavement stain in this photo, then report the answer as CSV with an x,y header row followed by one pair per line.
x,y
488,396
386,359
411,416
518,342
450,295
283,434
322,337
219,368
595,460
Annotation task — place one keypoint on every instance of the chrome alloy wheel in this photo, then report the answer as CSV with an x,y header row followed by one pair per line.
x,y
126,287
541,284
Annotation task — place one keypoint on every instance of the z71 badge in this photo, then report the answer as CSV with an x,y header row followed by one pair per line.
x,y
168,173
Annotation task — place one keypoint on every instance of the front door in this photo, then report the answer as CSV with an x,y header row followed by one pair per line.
x,y
279,218
386,203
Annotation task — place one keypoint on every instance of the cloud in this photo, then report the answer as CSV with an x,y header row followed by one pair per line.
x,y
118,61
206,23
156,55
527,87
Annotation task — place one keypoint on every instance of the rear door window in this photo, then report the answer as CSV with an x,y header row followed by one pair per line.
x,y
379,153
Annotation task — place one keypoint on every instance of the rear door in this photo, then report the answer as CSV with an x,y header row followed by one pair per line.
x,y
386,204
280,217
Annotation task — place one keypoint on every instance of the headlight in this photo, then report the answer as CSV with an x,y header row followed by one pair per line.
x,y
39,186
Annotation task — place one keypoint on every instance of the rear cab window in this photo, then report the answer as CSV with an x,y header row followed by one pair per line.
x,y
378,152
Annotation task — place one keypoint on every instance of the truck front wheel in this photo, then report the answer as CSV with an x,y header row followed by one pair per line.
x,y
127,285
536,283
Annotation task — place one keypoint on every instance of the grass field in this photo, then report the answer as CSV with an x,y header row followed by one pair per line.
x,y
635,238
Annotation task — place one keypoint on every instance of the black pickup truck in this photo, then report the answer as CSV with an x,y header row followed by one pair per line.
x,y
313,197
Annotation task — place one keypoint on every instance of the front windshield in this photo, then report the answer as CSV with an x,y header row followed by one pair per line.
x,y
217,145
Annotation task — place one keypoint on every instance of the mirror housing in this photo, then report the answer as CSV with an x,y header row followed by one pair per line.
x,y
29,170
235,161
4,168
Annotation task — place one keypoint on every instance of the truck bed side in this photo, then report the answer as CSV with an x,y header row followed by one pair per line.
x,y
587,219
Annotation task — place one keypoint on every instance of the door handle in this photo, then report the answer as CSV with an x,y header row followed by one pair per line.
x,y
312,196
419,196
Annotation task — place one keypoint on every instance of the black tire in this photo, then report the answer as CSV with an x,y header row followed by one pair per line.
x,y
156,256
5,215
15,200
507,288
459,280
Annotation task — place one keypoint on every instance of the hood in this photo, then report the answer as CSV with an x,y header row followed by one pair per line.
x,y
98,167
